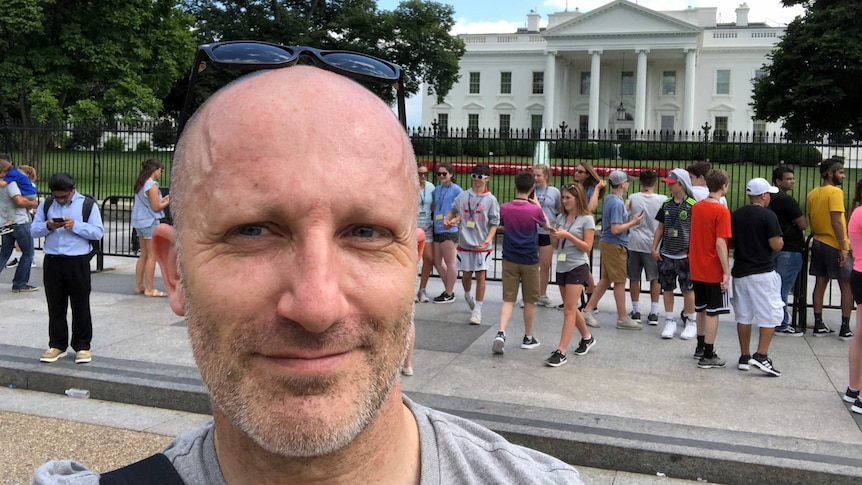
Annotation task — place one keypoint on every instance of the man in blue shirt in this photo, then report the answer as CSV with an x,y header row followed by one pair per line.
x,y
66,268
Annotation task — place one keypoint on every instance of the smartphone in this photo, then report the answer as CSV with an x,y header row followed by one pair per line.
x,y
58,219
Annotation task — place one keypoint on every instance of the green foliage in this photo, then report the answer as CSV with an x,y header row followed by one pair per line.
x,y
578,149
143,146
164,135
812,83
415,35
114,144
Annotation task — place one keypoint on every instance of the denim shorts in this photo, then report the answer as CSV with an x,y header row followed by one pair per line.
x,y
147,232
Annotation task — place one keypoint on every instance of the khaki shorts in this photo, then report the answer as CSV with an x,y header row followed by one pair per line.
x,y
525,274
613,262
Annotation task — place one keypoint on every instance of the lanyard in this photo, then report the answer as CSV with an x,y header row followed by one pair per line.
x,y
568,229
470,208
443,190
542,197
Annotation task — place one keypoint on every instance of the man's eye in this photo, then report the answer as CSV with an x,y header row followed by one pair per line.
x,y
250,231
364,232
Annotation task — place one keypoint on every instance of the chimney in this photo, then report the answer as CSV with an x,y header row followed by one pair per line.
x,y
533,21
742,15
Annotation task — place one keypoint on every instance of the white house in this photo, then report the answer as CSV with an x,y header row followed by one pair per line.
x,y
621,67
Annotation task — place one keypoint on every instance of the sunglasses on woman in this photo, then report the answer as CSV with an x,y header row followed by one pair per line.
x,y
250,55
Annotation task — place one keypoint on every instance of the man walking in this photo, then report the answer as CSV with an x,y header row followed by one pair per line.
x,y
10,195
756,285
791,220
66,270
831,248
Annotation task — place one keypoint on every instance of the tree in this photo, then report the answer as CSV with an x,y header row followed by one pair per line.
x,y
415,35
812,82
80,60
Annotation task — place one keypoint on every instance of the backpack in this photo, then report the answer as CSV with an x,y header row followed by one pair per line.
x,y
86,209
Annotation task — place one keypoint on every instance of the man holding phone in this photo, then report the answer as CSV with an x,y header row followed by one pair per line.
x,y
67,267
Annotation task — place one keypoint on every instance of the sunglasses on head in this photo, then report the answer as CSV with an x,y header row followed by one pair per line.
x,y
569,186
250,55
479,176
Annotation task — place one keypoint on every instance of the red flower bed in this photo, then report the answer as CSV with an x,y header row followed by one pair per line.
x,y
513,168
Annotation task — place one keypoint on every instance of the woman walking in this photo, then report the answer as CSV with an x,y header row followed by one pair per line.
x,y
426,224
573,235
147,210
548,198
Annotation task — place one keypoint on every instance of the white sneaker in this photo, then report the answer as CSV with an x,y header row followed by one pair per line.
x,y
407,371
471,302
423,296
476,317
545,301
591,319
521,303
669,329
689,332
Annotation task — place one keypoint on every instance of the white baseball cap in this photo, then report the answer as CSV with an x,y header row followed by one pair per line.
x,y
758,186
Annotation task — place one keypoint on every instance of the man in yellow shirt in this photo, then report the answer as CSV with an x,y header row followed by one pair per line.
x,y
830,250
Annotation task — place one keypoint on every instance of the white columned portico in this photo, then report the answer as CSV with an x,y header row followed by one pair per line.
x,y
548,119
688,102
595,84
640,92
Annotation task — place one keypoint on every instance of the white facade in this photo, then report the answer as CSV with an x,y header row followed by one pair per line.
x,y
669,71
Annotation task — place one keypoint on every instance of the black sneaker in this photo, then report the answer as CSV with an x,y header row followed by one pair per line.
x,y
636,316
529,342
585,346
498,347
560,306
12,263
764,363
851,396
743,362
822,331
787,331
652,319
24,289
714,362
857,406
698,353
556,359
445,298
845,333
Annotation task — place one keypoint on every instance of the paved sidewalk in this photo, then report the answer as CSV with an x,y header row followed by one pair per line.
x,y
635,403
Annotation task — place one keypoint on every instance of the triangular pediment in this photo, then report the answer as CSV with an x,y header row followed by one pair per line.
x,y
621,17
473,106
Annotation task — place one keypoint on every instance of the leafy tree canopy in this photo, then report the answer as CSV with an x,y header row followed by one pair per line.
x,y
415,35
83,60
812,83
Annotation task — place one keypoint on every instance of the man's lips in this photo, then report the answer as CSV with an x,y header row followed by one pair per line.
x,y
310,363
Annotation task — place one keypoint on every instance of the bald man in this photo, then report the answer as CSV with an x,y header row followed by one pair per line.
x,y
299,301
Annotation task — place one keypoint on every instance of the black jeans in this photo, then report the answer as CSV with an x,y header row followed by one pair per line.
x,y
67,280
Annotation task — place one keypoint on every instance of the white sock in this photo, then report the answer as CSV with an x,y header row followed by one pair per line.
x,y
653,308
668,316
16,254
691,317
478,307
636,307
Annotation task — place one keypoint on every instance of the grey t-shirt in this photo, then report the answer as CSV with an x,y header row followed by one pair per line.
x,y
574,256
453,450
22,215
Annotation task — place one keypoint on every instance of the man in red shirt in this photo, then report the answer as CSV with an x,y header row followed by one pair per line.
x,y
710,268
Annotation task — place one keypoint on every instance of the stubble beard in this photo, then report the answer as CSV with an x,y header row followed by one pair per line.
x,y
255,405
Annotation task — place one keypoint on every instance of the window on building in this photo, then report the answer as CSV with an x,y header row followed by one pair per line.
x,y
583,126
505,125
536,124
505,83
627,83
722,81
442,124
585,83
474,82
473,125
759,131
668,83
720,133
539,82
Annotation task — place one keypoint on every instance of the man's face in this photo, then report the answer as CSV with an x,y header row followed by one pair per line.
x,y
837,176
786,183
62,196
479,180
298,294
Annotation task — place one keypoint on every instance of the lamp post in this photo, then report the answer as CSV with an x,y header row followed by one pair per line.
x,y
706,127
563,128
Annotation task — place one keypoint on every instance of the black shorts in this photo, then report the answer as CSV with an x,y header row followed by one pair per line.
x,y
544,239
577,276
709,298
440,237
856,286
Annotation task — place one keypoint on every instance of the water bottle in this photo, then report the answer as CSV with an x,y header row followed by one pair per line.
x,y
79,393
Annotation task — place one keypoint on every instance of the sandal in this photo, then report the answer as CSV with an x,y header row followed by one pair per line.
x,y
155,294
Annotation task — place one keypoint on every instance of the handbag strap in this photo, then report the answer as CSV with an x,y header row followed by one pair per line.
x,y
153,470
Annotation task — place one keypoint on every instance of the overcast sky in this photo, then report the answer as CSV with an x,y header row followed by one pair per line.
x,y
505,16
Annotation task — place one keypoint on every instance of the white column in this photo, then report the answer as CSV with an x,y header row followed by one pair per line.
x,y
688,103
548,119
595,84
640,92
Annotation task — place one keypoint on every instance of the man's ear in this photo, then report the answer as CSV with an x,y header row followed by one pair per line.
x,y
164,242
